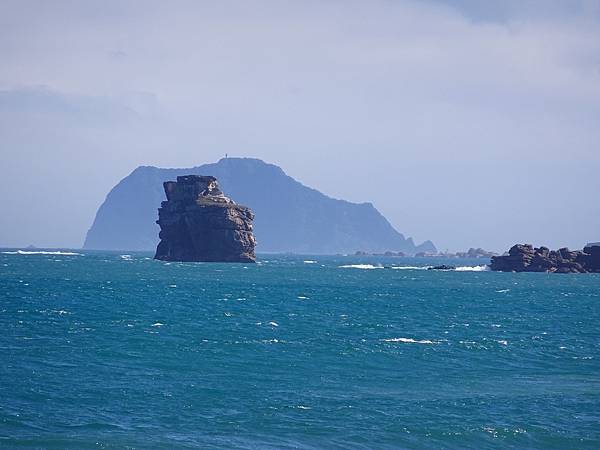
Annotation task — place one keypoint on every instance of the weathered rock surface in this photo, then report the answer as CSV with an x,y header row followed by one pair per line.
x,y
199,223
526,258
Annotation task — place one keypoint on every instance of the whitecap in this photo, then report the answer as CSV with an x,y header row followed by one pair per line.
x,y
274,324
157,324
40,252
303,407
501,291
503,342
301,297
409,341
310,261
482,268
361,266
126,257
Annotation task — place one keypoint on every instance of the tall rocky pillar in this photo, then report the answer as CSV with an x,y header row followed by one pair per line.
x,y
199,223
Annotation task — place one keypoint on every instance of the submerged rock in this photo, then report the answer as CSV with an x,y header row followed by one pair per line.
x,y
442,267
199,223
526,258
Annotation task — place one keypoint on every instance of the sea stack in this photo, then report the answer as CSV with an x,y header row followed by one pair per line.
x,y
199,223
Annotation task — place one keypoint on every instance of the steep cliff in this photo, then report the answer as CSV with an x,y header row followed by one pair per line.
x,y
290,217
199,223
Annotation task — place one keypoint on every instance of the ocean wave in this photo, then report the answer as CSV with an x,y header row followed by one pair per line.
x,y
42,252
126,257
361,266
310,261
482,268
409,341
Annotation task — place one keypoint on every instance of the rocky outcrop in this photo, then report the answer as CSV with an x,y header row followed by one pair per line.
x,y
475,253
199,223
526,258
442,267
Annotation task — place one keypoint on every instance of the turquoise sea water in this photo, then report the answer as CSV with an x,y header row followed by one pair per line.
x,y
107,351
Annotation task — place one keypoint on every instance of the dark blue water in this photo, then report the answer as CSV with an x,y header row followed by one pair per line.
x,y
104,351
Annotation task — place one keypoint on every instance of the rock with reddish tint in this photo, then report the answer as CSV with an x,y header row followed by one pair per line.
x,y
526,258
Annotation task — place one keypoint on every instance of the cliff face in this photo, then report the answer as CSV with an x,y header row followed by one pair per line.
x,y
526,258
199,223
290,217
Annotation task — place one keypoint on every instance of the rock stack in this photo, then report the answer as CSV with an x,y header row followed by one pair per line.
x,y
199,223
526,258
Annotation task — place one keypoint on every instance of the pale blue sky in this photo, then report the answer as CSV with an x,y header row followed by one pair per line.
x,y
465,122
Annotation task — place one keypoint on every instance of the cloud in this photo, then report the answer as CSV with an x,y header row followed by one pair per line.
x,y
400,92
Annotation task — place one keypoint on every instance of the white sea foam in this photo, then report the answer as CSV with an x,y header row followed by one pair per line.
x,y
41,252
126,257
411,267
309,261
409,341
501,291
157,324
302,297
361,266
482,268
274,324
503,342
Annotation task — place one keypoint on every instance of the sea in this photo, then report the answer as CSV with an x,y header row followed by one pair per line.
x,y
117,350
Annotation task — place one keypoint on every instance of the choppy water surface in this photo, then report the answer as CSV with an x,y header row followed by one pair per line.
x,y
108,350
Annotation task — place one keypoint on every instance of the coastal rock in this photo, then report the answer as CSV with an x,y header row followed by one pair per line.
x,y
442,267
526,258
199,223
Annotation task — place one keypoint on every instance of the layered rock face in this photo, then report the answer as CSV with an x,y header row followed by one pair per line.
x,y
199,223
526,258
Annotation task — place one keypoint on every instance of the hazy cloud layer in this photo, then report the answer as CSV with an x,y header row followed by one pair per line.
x,y
469,123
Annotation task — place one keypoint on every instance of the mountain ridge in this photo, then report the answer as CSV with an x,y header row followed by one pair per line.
x,y
290,217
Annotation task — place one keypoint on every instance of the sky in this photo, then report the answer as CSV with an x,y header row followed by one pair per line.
x,y
470,123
